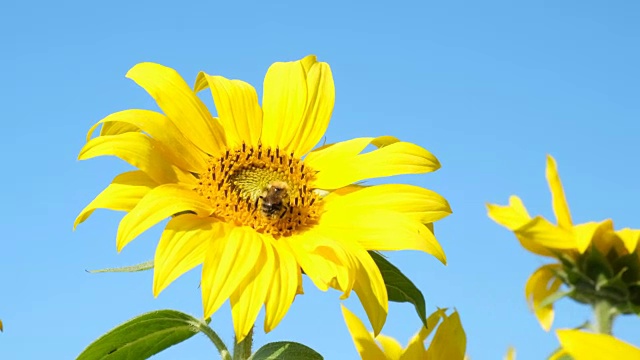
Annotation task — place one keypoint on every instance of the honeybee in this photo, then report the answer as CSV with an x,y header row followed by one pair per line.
x,y
274,199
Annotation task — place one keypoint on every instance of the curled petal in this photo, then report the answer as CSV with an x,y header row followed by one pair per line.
x,y
123,194
540,285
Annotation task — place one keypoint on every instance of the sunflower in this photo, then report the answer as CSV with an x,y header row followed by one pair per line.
x,y
595,261
449,341
249,197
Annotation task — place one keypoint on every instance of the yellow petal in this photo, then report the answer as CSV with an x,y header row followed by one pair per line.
x,y
582,345
283,286
227,263
343,265
390,346
342,164
124,192
237,106
383,230
316,268
114,128
320,101
182,247
160,203
511,354
415,349
630,238
512,216
181,105
599,233
414,202
247,299
545,234
283,103
370,288
540,285
325,261
362,339
560,207
449,341
139,150
181,151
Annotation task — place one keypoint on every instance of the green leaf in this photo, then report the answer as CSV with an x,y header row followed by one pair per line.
x,y
147,265
285,350
399,287
143,336
555,297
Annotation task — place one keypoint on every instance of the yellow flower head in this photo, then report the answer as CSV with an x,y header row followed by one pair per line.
x,y
565,241
449,341
249,198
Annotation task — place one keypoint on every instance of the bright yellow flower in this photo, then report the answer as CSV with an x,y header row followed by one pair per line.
x,y
583,345
251,201
448,343
563,240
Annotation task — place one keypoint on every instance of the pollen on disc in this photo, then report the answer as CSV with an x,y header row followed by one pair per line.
x,y
237,184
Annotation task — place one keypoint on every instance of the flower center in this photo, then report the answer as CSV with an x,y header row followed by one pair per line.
x,y
262,188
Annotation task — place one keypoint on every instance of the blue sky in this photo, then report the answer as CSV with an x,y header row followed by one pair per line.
x,y
489,87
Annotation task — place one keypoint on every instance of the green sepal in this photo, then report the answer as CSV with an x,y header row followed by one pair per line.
x,y
285,350
594,263
614,288
147,265
630,265
143,336
399,287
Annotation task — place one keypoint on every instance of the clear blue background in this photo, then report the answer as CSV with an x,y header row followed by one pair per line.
x,y
489,87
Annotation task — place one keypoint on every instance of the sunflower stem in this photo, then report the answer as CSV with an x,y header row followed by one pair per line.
x,y
215,339
242,349
603,316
